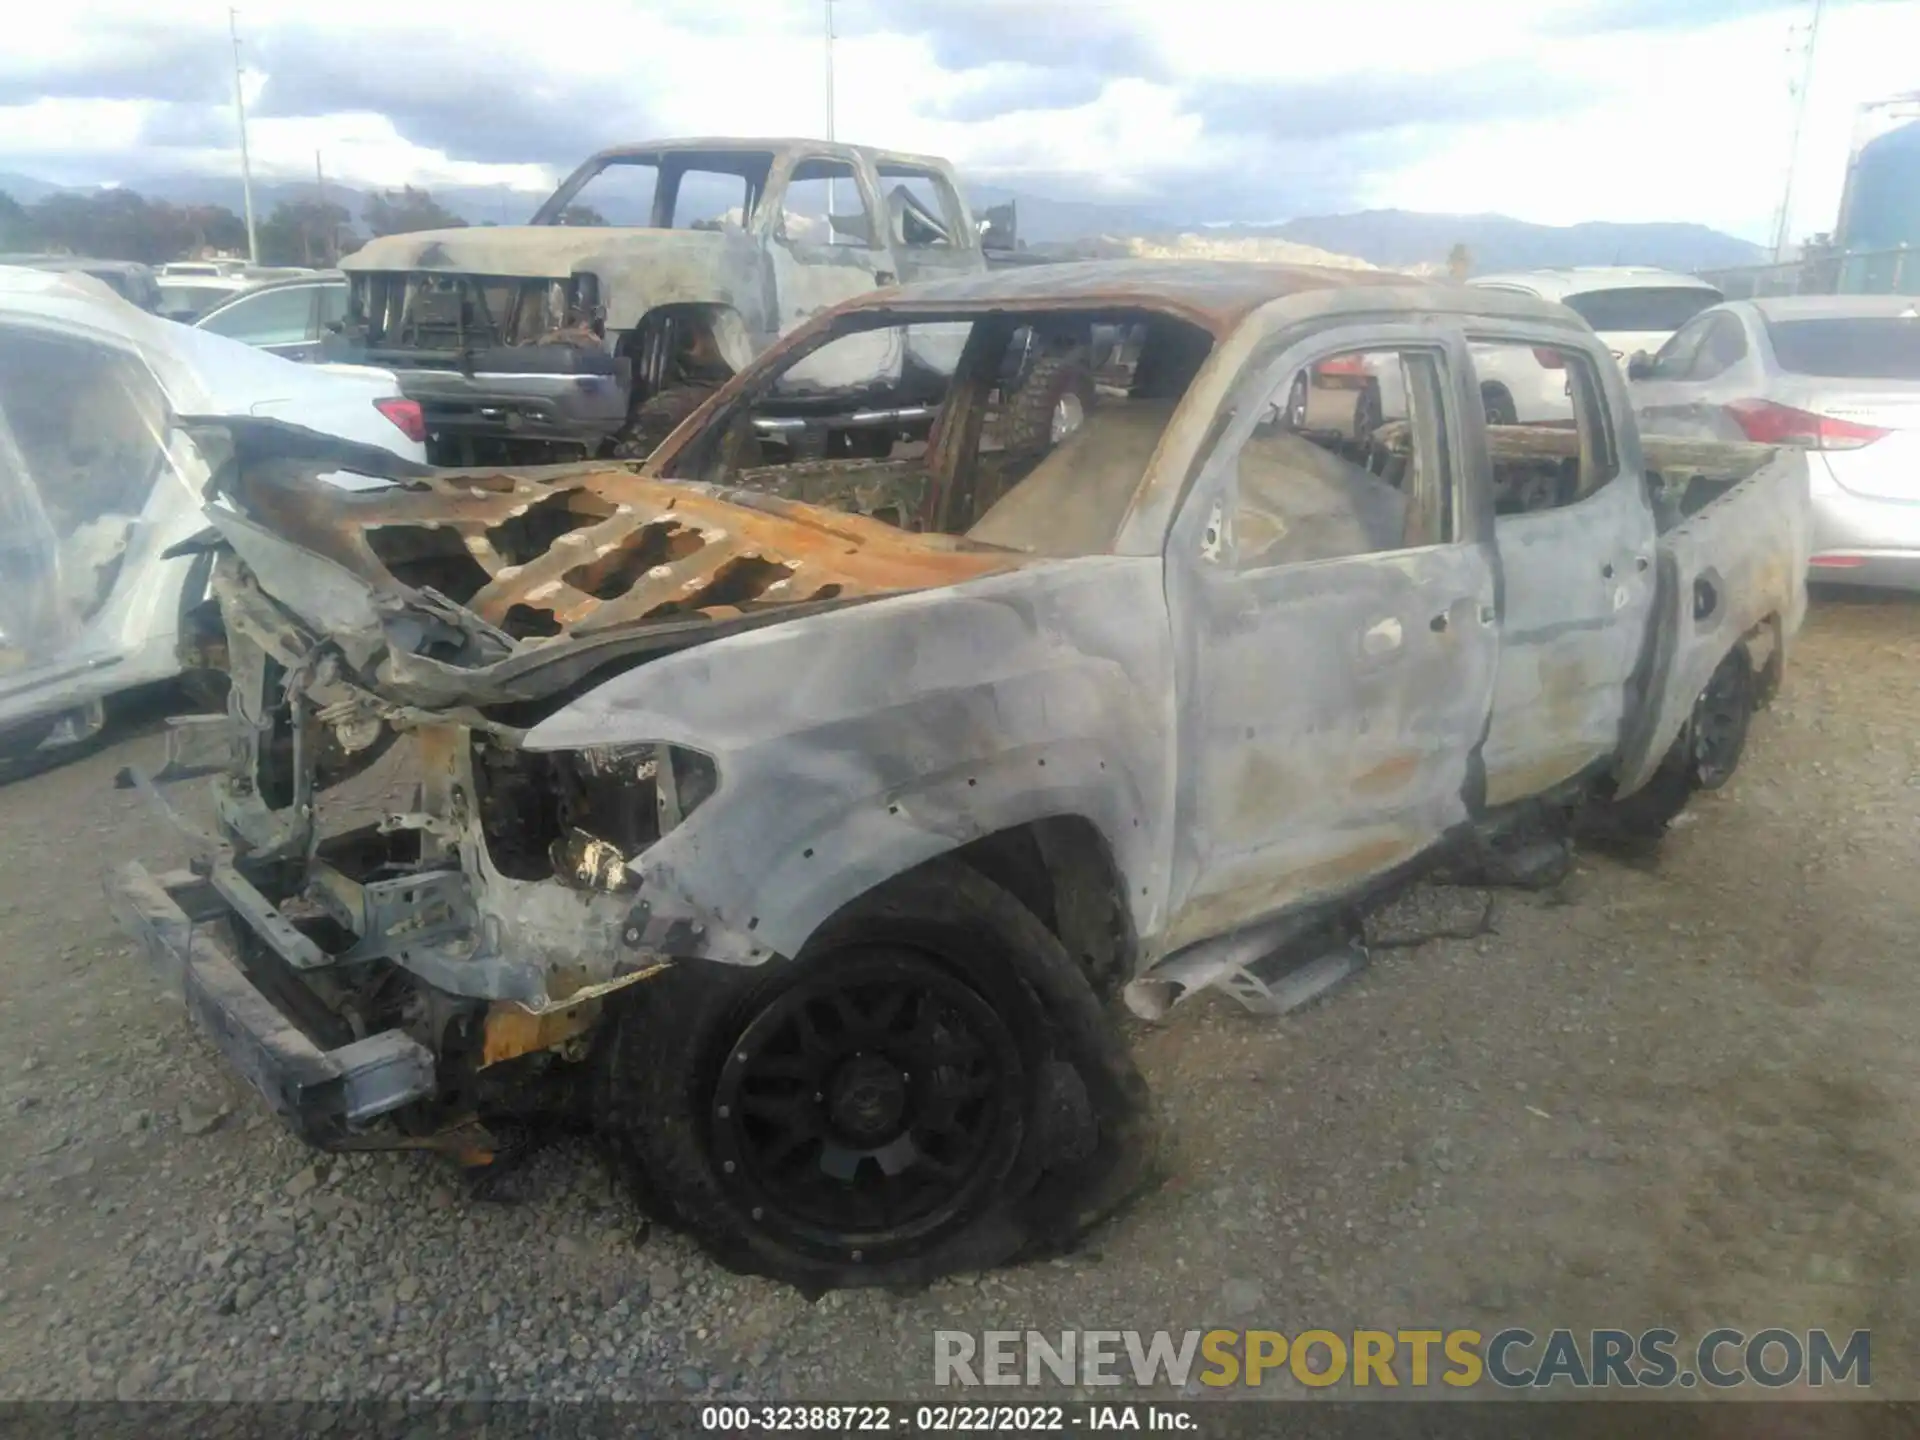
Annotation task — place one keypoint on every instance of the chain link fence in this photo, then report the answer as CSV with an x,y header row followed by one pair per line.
x,y
1831,272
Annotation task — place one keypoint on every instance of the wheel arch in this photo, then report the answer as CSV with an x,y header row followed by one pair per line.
x,y
1063,870
1053,843
716,323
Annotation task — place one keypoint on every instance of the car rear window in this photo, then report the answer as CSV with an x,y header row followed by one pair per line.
x,y
1852,347
191,298
1651,307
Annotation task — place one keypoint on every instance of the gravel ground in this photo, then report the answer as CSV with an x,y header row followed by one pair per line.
x,y
1677,1091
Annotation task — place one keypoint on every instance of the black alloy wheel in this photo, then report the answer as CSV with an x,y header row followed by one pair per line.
x,y
868,1104
1721,717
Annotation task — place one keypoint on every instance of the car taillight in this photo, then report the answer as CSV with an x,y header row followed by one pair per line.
x,y
407,415
1767,423
1343,365
1550,359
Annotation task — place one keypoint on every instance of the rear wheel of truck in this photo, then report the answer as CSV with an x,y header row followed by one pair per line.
x,y
1703,756
930,1086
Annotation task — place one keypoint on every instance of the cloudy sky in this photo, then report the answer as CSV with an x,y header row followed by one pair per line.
x,y
1551,110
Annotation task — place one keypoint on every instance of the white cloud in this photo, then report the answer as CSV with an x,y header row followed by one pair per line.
x,y
1679,121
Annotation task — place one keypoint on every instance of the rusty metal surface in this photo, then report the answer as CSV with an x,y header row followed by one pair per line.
x,y
1216,294
772,145
588,547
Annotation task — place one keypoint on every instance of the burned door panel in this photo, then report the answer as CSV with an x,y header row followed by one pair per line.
x,y
1329,706
1576,595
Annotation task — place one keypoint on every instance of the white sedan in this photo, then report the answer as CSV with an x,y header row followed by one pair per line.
x,y
1835,375
98,481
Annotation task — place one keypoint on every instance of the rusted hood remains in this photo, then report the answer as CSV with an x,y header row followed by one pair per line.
x,y
485,585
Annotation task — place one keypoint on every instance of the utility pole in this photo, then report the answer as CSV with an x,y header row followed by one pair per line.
x,y
829,69
320,185
1784,229
240,110
831,200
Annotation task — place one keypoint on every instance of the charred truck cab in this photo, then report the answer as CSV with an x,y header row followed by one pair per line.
x,y
793,823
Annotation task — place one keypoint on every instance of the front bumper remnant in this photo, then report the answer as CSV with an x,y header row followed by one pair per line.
x,y
323,1095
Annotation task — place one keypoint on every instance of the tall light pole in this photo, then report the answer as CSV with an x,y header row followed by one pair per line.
x,y
1783,231
829,69
240,111
832,201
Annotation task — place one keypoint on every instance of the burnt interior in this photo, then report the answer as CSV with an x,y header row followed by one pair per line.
x,y
1124,369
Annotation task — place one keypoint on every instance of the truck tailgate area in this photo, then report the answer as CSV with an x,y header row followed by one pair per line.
x,y
1736,565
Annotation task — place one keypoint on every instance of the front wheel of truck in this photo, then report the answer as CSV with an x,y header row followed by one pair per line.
x,y
930,1086
655,418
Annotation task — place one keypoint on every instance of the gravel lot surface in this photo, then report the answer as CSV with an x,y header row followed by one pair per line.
x,y
1680,1090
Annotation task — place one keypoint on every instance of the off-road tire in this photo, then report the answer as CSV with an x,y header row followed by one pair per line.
x,y
1686,767
21,759
1077,1138
655,418
1027,417
1498,405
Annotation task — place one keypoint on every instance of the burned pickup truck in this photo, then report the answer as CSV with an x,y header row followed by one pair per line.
x,y
791,824
657,271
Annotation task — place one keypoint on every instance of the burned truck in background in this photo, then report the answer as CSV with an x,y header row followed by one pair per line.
x,y
657,271
791,823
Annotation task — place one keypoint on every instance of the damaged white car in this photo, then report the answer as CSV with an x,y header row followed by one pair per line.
x,y
97,484
792,824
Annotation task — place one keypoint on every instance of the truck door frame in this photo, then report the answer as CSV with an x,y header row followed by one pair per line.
x,y
1352,785
1576,596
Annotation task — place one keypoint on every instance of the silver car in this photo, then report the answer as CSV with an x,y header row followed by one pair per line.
x,y
1837,375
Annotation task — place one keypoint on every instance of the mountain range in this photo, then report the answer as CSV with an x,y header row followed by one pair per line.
x,y
1391,238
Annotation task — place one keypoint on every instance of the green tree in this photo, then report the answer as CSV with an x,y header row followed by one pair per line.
x,y
207,229
303,232
403,211
16,226
1459,262
120,224
582,215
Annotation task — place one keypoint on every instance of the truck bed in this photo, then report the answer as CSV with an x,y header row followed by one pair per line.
x,y
1731,569
1682,475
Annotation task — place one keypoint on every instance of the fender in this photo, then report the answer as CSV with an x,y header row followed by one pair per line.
x,y
855,744
1733,570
